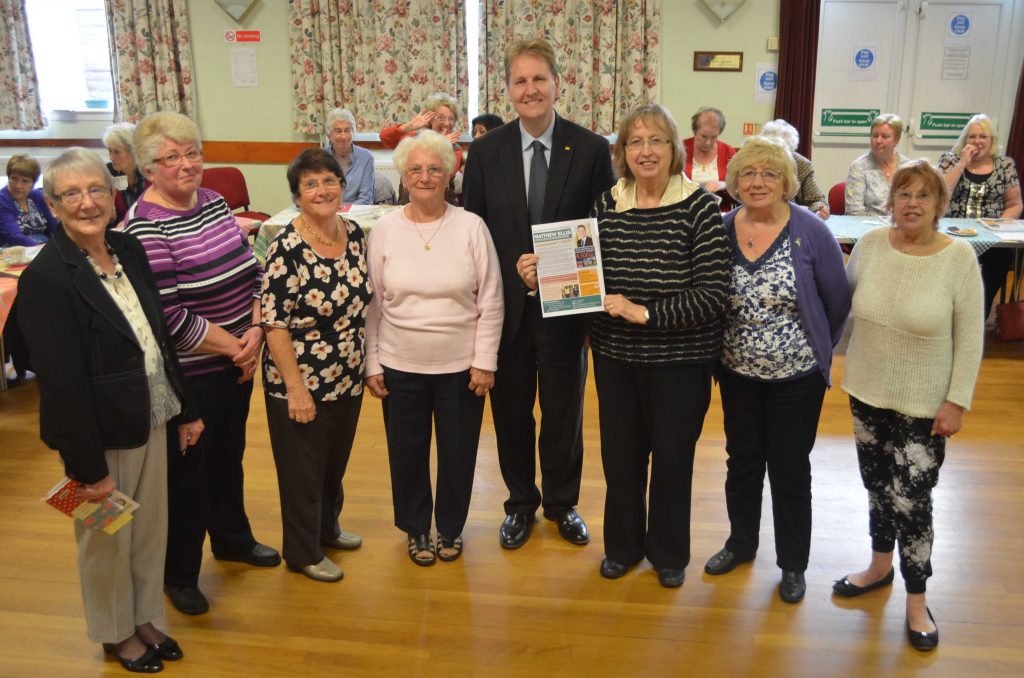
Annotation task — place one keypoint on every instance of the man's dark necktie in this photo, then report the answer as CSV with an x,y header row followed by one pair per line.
x,y
538,180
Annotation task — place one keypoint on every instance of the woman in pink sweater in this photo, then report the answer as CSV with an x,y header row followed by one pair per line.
x,y
432,338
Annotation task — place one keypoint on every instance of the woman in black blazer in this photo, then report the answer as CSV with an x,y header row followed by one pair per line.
x,y
109,384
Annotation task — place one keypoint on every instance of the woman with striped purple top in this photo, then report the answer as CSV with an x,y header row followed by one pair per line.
x,y
209,284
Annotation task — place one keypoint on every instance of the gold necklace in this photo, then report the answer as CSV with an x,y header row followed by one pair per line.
x,y
323,240
427,241
907,248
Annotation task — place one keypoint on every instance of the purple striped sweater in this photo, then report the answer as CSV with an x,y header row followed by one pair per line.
x,y
205,270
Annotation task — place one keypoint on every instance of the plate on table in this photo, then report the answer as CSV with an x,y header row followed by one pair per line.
x,y
962,232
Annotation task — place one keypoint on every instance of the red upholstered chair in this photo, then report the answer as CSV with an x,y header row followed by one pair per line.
x,y
837,199
230,183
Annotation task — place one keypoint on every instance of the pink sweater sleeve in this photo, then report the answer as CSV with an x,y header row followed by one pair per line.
x,y
489,301
375,264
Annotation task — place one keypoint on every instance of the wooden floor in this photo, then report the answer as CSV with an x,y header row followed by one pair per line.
x,y
544,610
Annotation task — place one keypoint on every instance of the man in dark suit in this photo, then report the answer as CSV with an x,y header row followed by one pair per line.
x,y
582,239
539,168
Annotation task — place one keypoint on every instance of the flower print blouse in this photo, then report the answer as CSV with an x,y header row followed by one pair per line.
x,y
322,302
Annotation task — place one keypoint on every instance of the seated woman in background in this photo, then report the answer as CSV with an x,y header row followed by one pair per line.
x,y
128,180
440,113
808,194
109,386
432,345
706,157
867,184
356,163
983,183
316,293
24,217
482,124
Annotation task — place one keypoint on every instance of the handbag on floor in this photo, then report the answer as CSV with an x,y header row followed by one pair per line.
x,y
1010,315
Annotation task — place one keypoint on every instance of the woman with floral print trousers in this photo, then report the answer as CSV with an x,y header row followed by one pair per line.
x,y
315,297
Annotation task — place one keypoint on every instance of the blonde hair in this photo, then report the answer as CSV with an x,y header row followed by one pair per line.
x,y
436,101
119,136
538,47
770,152
892,120
987,127
660,116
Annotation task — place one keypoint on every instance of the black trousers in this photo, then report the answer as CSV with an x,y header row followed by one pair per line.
x,y
995,264
205,485
413,400
770,424
649,415
545,356
311,460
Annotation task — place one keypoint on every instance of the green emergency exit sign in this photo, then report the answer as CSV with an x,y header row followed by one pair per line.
x,y
936,125
841,122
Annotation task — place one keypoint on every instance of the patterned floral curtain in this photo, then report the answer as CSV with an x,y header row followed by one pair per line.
x,y
151,60
19,89
379,58
607,53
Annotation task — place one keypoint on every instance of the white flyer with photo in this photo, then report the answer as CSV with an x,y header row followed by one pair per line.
x,y
569,275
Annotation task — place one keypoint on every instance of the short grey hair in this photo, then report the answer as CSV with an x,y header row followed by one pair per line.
x,y
780,129
75,160
156,128
119,135
695,120
436,101
337,114
427,141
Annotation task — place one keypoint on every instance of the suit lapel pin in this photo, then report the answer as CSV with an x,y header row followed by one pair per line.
x,y
568,148
798,242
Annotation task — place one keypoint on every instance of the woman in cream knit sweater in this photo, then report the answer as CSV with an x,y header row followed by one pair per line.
x,y
910,372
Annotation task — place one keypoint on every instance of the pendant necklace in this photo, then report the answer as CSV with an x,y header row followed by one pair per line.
x,y
427,241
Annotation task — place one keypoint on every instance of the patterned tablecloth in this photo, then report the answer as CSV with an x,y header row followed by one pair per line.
x,y
364,215
8,290
849,230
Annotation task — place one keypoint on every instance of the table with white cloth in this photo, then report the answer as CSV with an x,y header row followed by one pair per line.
x,y
364,215
849,229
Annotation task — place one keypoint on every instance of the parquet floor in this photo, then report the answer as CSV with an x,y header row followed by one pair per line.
x,y
544,610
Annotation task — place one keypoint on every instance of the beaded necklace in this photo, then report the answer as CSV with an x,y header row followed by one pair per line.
x,y
118,269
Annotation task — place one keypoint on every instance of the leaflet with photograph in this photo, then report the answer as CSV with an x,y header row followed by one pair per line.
x,y
109,515
569,273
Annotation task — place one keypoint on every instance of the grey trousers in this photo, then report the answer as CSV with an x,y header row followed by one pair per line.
x,y
122,574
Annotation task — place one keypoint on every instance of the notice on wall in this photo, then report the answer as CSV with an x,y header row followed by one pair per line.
x,y
959,28
864,62
766,83
243,67
956,61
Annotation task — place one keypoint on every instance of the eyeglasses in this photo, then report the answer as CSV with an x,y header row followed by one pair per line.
x,y
313,185
74,198
655,144
174,159
906,196
432,170
767,176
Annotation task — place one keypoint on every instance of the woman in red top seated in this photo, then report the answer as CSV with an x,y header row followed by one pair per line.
x,y
440,113
706,157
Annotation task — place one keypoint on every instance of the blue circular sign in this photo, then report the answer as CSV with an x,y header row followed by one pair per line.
x,y
960,24
769,80
864,58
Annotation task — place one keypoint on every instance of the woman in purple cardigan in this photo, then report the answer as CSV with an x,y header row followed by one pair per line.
x,y
787,307
24,217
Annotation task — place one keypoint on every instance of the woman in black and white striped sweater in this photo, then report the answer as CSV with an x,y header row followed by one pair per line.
x,y
666,264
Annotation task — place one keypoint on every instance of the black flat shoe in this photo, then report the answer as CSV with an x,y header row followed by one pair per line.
x,y
571,527
724,561
515,530
149,662
843,587
167,649
261,555
188,600
923,640
793,587
613,570
671,579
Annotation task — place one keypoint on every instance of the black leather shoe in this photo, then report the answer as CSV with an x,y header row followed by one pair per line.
x,y
613,570
167,649
843,587
149,662
260,556
671,579
571,527
188,600
724,561
793,587
922,640
515,530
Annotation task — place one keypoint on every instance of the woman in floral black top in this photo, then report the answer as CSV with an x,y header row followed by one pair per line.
x,y
983,184
315,297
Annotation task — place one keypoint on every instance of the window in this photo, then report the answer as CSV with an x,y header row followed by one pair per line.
x,y
72,54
